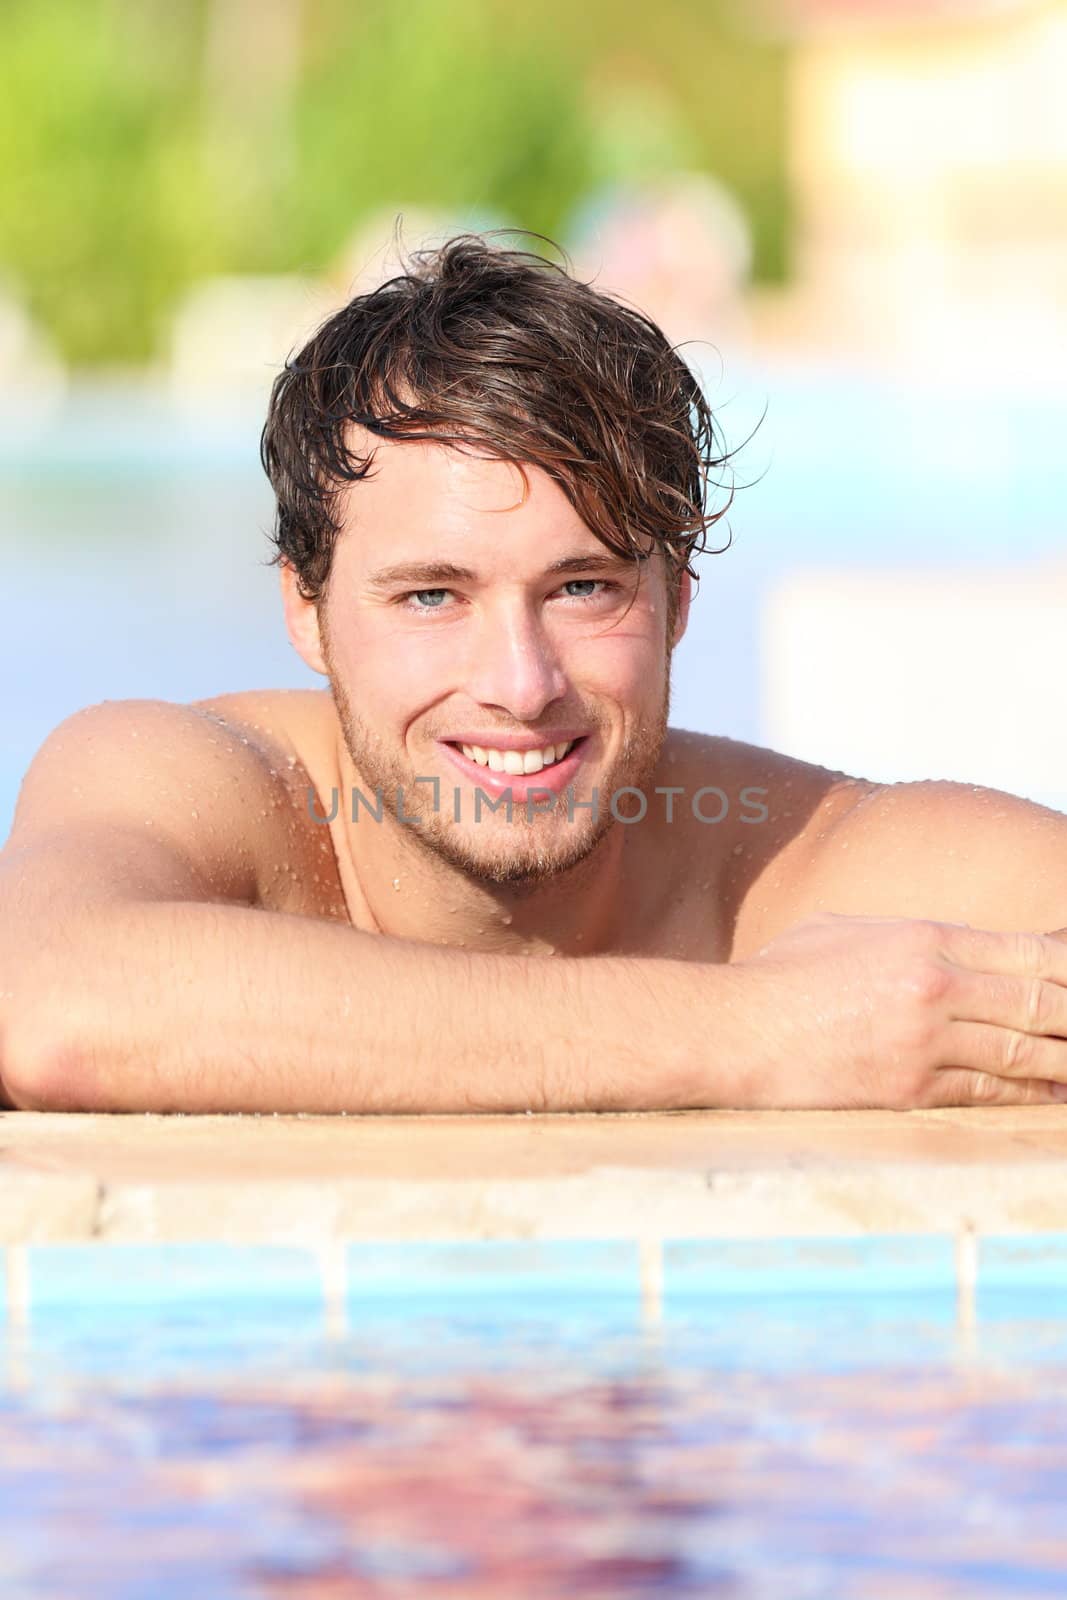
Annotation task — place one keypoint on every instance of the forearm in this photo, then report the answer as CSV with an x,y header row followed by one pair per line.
x,y
204,1007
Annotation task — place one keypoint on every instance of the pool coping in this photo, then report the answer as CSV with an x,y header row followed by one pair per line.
x,y
648,1176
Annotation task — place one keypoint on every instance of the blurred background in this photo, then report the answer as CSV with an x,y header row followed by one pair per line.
x,y
852,214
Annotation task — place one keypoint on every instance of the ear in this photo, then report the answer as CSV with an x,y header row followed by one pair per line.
x,y
685,596
301,621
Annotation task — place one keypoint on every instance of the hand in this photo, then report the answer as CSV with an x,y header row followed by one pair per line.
x,y
905,1014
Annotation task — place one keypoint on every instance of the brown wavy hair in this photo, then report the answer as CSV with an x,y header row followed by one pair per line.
x,y
504,350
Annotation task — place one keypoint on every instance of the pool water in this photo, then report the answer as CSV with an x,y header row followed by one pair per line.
x,y
787,1419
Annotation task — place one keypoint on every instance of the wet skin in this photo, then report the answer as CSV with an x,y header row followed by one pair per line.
x,y
469,603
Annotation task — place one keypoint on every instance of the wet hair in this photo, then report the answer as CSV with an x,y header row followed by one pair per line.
x,y
503,352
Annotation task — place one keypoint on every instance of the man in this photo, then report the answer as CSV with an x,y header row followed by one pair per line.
x,y
481,872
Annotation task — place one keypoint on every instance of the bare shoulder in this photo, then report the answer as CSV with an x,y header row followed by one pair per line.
x,y
951,852
278,722
184,797
787,782
761,819
290,733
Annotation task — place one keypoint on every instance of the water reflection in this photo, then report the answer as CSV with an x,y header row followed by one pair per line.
x,y
592,1465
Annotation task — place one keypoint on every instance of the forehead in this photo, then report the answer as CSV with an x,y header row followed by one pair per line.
x,y
422,497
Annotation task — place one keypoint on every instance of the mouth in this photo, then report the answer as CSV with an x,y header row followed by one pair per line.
x,y
550,767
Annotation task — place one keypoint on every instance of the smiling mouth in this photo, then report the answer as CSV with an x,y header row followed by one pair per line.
x,y
518,763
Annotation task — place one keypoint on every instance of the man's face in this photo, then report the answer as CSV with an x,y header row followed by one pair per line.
x,y
469,620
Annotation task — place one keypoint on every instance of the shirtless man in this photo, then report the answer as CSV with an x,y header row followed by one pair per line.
x,y
491,481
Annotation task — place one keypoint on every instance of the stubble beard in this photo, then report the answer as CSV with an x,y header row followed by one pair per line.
x,y
526,851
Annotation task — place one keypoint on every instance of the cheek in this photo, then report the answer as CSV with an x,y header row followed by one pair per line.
x,y
628,661
396,674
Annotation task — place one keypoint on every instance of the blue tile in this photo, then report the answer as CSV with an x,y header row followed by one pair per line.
x,y
501,1269
98,1276
1037,1259
871,1265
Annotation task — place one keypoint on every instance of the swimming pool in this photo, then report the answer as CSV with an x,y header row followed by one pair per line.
x,y
863,1418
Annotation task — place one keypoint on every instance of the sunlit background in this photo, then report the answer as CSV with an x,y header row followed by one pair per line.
x,y
852,215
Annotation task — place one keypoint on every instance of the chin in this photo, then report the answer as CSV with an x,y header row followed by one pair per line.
x,y
514,863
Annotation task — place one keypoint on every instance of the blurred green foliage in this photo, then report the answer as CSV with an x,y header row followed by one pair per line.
x,y
145,143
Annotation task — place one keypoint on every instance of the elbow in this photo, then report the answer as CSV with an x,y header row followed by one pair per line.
x,y
40,1073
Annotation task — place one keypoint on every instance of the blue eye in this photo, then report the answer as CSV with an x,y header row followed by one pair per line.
x,y
420,594
595,588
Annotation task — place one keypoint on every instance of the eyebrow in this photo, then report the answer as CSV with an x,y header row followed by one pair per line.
x,y
429,573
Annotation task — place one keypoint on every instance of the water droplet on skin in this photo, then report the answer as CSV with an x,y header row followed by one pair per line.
x,y
196,814
738,848
396,883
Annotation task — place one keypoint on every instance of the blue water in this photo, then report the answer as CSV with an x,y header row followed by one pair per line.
x,y
132,535
780,1418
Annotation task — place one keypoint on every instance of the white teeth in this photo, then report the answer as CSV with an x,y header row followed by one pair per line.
x,y
517,763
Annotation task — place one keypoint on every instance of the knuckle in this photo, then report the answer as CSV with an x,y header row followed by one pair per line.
x,y
920,1091
986,1090
1037,1005
915,1035
1018,1051
925,980
1029,952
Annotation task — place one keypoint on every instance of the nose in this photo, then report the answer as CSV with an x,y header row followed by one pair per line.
x,y
515,666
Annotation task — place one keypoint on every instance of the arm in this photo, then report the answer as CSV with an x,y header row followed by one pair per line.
x,y
138,974
138,970
192,1007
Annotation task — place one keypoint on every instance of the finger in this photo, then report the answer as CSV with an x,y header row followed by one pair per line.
x,y
1021,954
1023,1005
1005,1055
954,1086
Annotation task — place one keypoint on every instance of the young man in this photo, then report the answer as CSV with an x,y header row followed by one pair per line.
x,y
481,872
